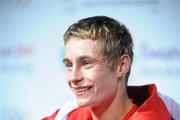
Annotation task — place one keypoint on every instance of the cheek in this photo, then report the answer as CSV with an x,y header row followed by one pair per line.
x,y
67,75
105,82
106,85
68,78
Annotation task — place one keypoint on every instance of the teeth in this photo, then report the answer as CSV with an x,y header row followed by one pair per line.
x,y
82,89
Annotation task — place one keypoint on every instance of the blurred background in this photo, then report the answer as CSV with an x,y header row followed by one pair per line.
x,y
32,76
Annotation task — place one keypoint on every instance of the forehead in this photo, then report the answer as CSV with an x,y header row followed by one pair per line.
x,y
80,47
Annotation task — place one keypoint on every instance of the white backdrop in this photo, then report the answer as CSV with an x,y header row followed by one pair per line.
x,y
32,76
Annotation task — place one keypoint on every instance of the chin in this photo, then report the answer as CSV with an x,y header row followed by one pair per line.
x,y
83,103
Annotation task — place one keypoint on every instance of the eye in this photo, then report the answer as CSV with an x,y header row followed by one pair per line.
x,y
68,65
86,62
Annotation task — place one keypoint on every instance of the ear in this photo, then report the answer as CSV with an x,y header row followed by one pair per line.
x,y
124,64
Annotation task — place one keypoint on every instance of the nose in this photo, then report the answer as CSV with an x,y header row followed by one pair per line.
x,y
75,76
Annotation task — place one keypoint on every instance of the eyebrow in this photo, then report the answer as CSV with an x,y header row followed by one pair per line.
x,y
85,57
80,58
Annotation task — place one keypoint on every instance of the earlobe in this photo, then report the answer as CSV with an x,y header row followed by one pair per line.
x,y
124,64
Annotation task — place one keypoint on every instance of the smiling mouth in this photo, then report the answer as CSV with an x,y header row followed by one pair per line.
x,y
82,90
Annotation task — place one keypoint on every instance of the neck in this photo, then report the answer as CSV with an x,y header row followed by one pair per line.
x,y
115,108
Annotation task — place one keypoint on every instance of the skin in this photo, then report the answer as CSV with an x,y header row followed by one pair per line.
x,y
94,84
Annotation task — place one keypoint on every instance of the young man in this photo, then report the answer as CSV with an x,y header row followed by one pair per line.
x,y
98,58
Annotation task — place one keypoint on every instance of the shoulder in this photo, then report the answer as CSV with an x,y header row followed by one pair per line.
x,y
172,106
62,113
151,106
51,117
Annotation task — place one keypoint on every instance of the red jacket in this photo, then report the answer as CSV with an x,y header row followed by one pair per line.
x,y
150,106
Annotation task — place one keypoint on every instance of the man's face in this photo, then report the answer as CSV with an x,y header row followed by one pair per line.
x,y
88,74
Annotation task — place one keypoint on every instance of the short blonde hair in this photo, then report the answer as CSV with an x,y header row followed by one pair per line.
x,y
113,38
